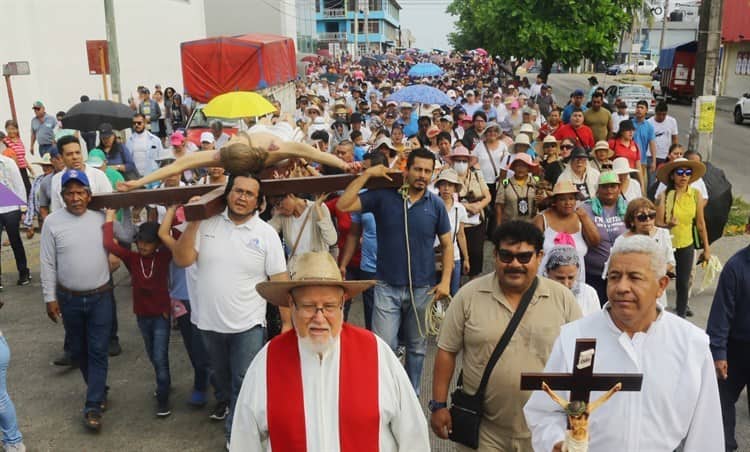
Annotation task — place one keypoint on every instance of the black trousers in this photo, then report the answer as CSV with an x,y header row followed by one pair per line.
x,y
475,245
684,258
26,181
738,377
10,222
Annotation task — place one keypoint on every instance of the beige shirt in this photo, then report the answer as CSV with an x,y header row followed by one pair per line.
x,y
510,192
474,322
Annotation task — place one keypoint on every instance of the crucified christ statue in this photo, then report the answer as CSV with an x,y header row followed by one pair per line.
x,y
246,152
577,437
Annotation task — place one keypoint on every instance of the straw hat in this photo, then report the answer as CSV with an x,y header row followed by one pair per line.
x,y
36,160
449,175
699,169
603,145
491,125
525,158
310,269
620,165
549,139
461,151
526,128
521,138
565,187
384,141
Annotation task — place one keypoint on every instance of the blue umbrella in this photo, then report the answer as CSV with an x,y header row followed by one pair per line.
x,y
421,94
425,70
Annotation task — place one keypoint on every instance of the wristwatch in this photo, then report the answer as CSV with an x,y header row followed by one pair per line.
x,y
434,406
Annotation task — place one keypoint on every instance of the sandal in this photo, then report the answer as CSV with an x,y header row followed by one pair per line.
x,y
92,420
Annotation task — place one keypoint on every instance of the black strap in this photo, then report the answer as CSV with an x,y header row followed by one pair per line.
x,y
505,339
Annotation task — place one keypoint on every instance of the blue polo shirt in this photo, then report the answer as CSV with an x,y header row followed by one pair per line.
x,y
412,128
568,110
427,218
644,134
369,246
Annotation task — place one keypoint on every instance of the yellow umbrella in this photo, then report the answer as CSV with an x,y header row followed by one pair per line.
x,y
238,104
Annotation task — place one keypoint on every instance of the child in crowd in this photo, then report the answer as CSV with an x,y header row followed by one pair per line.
x,y
149,272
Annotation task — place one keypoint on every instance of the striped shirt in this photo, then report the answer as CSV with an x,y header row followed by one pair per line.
x,y
17,146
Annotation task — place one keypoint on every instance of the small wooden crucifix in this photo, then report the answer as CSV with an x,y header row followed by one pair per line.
x,y
212,196
583,380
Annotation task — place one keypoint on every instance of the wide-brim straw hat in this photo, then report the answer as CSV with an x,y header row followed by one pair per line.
x,y
602,145
310,270
449,175
620,165
699,169
565,187
521,139
461,151
549,139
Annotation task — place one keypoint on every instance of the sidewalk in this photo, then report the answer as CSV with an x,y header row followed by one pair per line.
x,y
725,103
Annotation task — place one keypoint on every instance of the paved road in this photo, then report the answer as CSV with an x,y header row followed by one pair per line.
x,y
730,151
48,399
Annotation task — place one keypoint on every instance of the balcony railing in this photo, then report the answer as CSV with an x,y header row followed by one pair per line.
x,y
334,12
336,36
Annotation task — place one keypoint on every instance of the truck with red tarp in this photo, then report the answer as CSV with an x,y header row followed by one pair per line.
x,y
263,63
677,72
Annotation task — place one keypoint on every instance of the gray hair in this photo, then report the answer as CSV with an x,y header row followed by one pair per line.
x,y
560,256
642,244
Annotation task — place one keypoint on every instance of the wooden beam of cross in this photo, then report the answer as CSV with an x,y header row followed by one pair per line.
x,y
583,380
212,200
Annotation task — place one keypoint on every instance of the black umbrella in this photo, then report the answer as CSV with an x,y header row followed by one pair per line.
x,y
87,116
368,61
719,201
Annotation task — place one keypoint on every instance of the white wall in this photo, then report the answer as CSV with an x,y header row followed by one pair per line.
x,y
239,17
733,84
52,36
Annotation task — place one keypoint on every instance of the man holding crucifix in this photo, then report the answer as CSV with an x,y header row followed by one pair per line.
x,y
678,403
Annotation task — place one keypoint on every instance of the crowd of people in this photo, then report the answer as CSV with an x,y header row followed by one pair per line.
x,y
588,211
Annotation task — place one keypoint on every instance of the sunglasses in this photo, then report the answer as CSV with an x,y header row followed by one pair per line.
x,y
551,145
643,217
566,146
137,123
683,172
507,257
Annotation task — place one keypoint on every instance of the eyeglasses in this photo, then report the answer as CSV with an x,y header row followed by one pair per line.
x,y
137,123
643,217
550,145
507,257
566,146
239,193
683,172
309,311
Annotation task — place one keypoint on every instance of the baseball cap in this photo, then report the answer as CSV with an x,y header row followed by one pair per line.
x,y
148,232
468,93
608,177
405,105
578,92
105,130
177,138
95,161
38,104
74,175
207,137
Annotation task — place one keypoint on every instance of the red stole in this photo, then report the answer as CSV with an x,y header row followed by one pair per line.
x,y
359,412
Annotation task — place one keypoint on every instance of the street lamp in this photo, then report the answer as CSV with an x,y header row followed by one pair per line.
x,y
14,68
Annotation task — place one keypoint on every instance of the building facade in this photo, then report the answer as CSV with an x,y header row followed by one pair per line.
x,y
336,24
735,57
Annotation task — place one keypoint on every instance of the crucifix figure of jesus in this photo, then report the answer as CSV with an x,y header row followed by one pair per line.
x,y
580,383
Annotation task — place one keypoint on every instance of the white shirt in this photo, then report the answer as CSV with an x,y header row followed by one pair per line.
x,y
663,131
97,180
617,118
588,299
698,185
10,176
402,422
679,398
232,259
633,191
457,212
485,165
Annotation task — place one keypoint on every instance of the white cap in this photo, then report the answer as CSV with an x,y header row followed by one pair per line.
x,y
207,137
526,128
451,93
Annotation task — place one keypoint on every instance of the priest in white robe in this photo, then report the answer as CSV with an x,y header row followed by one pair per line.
x,y
679,399
325,386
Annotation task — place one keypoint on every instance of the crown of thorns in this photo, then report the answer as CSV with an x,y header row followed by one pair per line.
x,y
576,408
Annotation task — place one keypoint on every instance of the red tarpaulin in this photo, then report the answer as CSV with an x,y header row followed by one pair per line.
x,y
249,62
735,24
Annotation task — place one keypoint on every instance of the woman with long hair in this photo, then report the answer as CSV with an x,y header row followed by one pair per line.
x,y
680,209
13,141
118,155
623,145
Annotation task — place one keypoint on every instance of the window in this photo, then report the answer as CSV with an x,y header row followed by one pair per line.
x,y
372,25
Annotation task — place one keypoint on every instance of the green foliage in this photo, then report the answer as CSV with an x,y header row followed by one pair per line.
x,y
555,31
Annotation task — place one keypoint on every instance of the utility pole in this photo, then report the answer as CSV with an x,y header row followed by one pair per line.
x,y
114,54
706,74
663,27
356,29
367,27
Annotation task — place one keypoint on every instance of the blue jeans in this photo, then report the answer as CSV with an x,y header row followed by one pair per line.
x,y
155,331
196,351
230,354
393,309
368,298
456,277
8,421
88,324
45,148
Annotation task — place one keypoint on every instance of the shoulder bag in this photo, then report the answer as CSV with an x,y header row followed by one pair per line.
x,y
467,410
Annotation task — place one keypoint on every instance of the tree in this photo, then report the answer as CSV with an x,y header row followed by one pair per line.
x,y
561,31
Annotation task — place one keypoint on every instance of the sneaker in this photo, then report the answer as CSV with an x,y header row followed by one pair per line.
x,y
24,279
220,411
114,348
163,409
688,312
18,447
198,399
227,445
65,361
92,420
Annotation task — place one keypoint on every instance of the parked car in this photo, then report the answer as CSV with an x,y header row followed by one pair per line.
x,y
613,69
742,109
641,67
631,94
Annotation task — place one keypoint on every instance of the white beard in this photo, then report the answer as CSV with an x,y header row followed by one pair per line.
x,y
318,348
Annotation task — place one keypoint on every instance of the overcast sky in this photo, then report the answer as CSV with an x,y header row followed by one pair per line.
x,y
428,22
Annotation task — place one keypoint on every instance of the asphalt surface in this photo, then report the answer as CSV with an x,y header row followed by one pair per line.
x,y
730,145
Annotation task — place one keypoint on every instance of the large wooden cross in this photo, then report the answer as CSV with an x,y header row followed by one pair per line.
x,y
212,200
583,380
